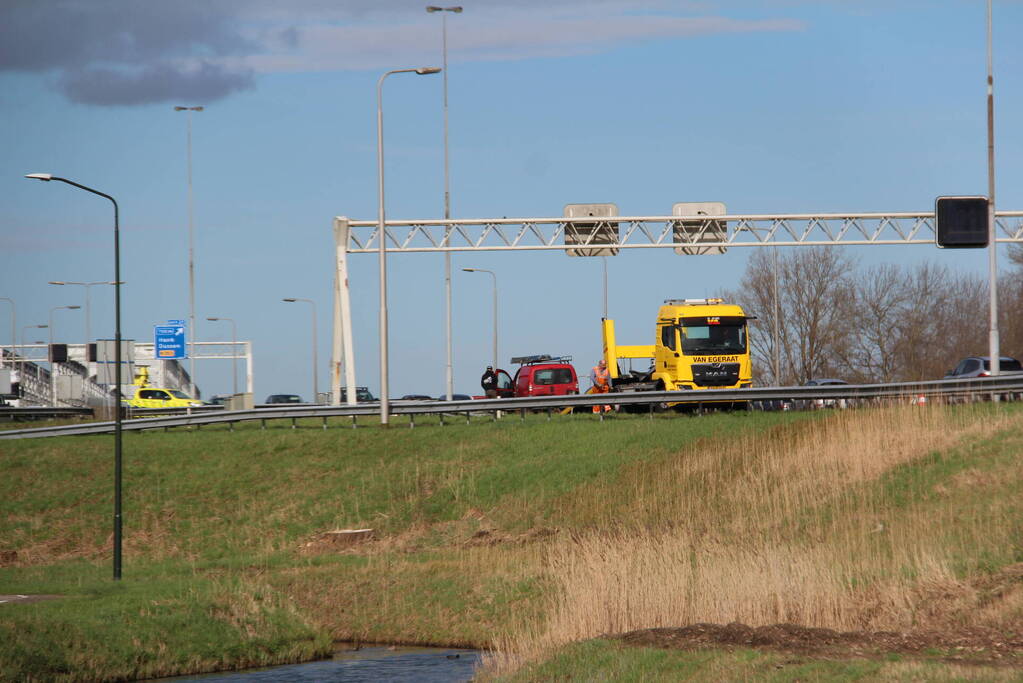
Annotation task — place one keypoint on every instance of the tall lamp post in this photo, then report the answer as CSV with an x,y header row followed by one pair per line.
x,y
117,361
234,343
316,386
14,332
30,327
53,385
88,314
191,255
482,270
604,259
994,351
385,403
447,195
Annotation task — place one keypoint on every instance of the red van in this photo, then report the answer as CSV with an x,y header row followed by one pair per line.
x,y
544,375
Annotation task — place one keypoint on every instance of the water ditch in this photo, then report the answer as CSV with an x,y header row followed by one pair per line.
x,y
427,664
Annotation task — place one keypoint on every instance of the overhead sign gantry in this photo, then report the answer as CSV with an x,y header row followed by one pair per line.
x,y
596,230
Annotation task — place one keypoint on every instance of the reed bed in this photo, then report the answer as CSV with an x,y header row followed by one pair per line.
x,y
822,524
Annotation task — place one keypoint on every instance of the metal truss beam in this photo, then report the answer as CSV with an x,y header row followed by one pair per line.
x,y
695,235
659,232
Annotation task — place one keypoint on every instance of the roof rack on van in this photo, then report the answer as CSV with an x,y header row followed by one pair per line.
x,y
541,358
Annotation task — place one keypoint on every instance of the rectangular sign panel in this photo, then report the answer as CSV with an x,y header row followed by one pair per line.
x,y
106,365
694,233
170,342
961,222
593,231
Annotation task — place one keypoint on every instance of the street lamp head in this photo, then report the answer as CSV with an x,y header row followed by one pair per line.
x,y
290,300
73,307
188,108
56,282
469,270
456,10
213,319
423,71
433,8
41,176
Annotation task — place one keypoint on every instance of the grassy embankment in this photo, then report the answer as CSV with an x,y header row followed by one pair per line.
x,y
223,563
530,537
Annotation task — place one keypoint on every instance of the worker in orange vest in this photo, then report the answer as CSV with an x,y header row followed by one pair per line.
x,y
601,379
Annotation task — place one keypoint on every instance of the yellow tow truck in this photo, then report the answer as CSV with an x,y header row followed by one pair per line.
x,y
147,396
698,344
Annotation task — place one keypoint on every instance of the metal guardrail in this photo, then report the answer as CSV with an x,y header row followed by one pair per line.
x,y
41,412
1003,384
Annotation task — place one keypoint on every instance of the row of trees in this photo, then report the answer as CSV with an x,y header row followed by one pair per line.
x,y
822,315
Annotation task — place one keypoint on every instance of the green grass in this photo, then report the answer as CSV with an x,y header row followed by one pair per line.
x,y
219,573
602,660
213,517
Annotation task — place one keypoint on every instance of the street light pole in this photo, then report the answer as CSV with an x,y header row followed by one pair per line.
x,y
53,374
88,313
14,332
30,327
234,344
316,386
191,256
994,352
604,259
58,308
777,317
450,379
117,360
493,275
382,235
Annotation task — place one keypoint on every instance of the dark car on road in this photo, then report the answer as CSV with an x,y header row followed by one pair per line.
x,y
826,402
284,398
362,395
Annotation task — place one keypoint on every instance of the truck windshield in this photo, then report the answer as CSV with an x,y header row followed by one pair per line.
x,y
709,338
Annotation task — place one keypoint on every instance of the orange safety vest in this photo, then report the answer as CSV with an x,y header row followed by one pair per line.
x,y
601,375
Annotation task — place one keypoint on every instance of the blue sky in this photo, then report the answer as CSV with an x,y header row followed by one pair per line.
x,y
770,107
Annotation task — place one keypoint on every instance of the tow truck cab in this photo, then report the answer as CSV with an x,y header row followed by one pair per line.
x,y
698,344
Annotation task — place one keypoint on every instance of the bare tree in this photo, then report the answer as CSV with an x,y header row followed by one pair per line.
x,y
815,283
1010,305
812,311
943,321
878,297
756,295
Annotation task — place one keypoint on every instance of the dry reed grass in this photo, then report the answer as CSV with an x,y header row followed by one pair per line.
x,y
774,530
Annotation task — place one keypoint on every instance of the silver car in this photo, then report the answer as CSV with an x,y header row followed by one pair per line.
x,y
980,366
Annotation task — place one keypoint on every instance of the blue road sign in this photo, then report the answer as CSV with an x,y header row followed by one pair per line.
x,y
170,342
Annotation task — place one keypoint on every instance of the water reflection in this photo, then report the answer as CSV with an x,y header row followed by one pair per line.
x,y
432,665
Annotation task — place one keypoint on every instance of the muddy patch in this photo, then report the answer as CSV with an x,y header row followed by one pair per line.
x,y
981,646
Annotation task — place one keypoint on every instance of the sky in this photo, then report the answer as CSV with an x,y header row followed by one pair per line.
x,y
782,106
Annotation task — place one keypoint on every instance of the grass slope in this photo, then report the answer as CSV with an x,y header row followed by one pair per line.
x,y
476,529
